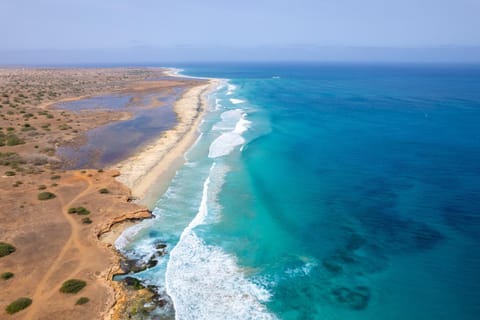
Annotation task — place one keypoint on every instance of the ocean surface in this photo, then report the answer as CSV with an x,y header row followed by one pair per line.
x,y
324,192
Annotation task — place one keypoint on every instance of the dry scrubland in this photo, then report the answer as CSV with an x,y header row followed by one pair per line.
x,y
50,219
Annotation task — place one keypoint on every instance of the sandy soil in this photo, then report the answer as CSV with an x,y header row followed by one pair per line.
x,y
53,245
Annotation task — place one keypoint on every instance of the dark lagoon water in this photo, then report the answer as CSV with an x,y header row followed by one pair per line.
x,y
113,142
325,192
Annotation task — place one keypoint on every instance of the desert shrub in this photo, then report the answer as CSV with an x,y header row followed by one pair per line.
x,y
18,305
6,275
10,173
64,127
82,211
42,187
17,183
104,191
55,177
10,159
6,249
79,210
86,220
46,195
13,140
73,286
82,300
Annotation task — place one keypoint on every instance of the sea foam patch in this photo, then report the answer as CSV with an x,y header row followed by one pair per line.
x,y
236,101
230,89
229,120
228,141
206,283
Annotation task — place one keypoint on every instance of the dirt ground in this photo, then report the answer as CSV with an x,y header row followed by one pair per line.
x,y
52,243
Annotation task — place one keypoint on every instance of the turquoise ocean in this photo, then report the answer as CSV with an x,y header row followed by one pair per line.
x,y
324,191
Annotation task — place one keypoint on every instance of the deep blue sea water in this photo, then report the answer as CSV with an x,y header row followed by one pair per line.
x,y
325,192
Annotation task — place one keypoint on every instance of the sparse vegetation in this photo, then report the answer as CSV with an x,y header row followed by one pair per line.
x,y
86,221
104,191
18,305
17,183
72,286
82,300
42,187
13,140
6,275
79,210
10,173
46,195
6,249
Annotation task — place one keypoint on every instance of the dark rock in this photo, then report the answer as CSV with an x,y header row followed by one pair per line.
x,y
161,249
152,262
160,246
132,266
133,283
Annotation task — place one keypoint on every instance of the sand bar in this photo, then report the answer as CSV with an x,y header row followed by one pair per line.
x,y
153,167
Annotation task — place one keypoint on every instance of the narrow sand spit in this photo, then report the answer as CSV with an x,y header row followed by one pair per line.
x,y
157,163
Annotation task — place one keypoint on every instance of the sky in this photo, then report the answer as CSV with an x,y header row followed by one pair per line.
x,y
139,28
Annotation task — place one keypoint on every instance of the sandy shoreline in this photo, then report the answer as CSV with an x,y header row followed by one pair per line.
x,y
148,172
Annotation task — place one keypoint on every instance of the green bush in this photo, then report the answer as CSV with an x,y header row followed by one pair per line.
x,y
13,140
18,305
6,275
104,191
46,195
6,249
10,173
86,221
73,286
82,300
81,211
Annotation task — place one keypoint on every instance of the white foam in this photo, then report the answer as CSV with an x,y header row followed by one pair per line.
x,y
206,283
236,101
229,120
218,105
303,270
230,89
228,141
127,237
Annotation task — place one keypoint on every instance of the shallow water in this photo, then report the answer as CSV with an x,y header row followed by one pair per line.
x,y
116,141
325,192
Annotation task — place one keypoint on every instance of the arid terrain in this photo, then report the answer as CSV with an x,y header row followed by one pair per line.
x,y
53,218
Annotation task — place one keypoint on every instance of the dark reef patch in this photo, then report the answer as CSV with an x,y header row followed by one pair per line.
x,y
356,298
